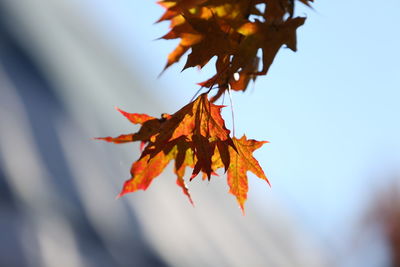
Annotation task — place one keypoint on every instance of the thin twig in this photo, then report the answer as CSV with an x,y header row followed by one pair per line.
x,y
232,111
198,91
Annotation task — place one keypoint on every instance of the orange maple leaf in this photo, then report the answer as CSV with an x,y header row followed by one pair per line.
x,y
242,161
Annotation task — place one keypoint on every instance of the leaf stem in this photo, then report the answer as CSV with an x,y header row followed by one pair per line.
x,y
232,110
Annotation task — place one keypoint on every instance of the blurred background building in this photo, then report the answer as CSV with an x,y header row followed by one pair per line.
x,y
61,72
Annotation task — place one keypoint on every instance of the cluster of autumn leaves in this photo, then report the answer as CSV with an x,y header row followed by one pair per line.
x,y
195,137
233,31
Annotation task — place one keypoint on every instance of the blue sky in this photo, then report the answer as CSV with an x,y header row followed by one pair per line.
x,y
331,111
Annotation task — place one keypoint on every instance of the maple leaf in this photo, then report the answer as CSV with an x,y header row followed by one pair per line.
x,y
239,161
242,161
